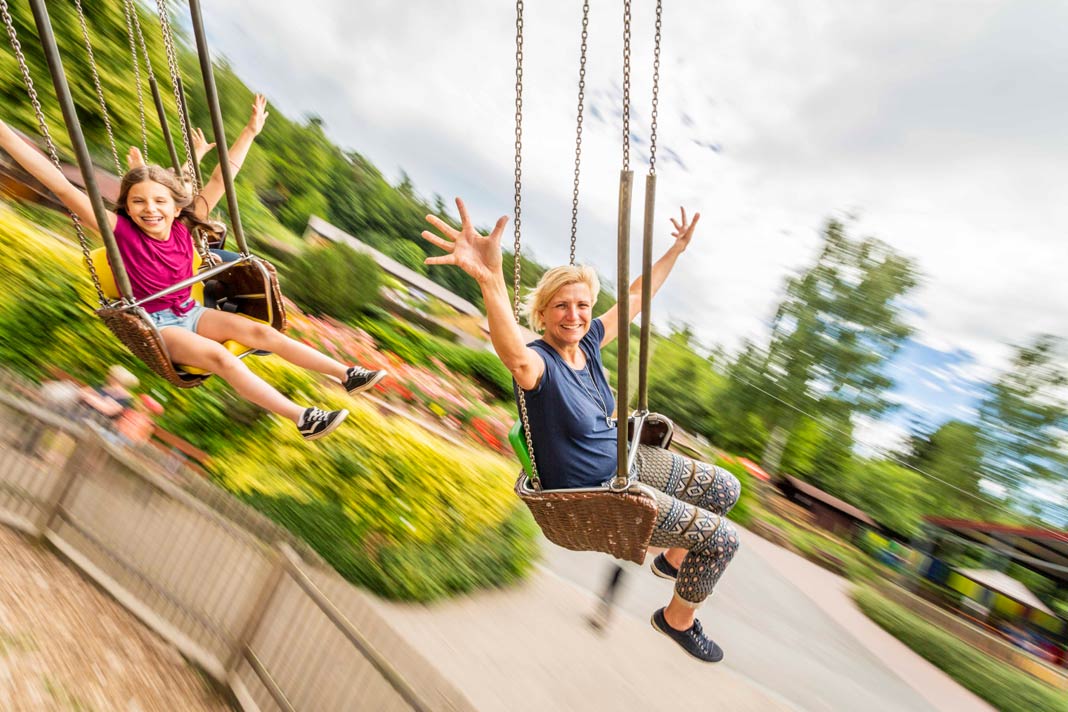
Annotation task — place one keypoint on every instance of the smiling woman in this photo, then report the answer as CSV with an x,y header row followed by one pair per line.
x,y
569,405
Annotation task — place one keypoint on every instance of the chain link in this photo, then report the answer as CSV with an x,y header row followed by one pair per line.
x,y
141,41
129,10
626,85
578,127
179,100
535,480
96,83
656,88
16,46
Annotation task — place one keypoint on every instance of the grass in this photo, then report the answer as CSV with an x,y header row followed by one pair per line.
x,y
1002,685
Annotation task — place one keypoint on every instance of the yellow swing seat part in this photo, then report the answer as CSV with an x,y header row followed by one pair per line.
x,y
111,291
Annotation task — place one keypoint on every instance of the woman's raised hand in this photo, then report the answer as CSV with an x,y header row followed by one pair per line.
x,y
478,255
259,114
684,230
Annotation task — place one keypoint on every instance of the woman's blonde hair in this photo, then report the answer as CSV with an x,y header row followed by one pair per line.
x,y
552,282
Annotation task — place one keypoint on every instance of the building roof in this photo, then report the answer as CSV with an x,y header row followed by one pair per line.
x,y
830,500
335,234
1006,585
1037,548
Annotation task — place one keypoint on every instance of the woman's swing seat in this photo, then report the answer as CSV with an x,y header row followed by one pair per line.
x,y
252,286
615,522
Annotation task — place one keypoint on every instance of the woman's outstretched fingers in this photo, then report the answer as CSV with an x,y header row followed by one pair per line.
x,y
446,229
437,241
465,219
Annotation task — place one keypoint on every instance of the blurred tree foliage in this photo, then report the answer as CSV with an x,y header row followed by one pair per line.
x,y
1025,417
293,171
334,279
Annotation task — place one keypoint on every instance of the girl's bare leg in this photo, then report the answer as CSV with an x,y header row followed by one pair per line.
x,y
191,349
221,326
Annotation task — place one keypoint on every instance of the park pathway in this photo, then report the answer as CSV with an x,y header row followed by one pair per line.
x,y
793,640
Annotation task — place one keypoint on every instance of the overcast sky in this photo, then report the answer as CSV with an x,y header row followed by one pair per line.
x,y
938,127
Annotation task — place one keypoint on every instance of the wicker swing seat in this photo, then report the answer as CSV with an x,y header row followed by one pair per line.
x,y
615,522
251,289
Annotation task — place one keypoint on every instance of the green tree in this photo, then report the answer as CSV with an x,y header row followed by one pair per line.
x,y
682,383
952,458
893,495
831,339
1024,417
334,280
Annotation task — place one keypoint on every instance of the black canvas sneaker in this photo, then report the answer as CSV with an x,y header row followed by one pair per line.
x,y
693,641
360,379
663,568
316,423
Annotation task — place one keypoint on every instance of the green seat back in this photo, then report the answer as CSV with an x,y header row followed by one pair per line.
x,y
519,444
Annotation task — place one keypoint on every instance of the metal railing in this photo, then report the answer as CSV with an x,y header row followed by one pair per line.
x,y
238,595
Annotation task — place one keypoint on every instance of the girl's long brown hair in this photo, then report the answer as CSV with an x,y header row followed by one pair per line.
x,y
182,199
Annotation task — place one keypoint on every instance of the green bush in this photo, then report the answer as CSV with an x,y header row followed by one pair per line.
x,y
334,280
742,512
422,349
1003,686
389,505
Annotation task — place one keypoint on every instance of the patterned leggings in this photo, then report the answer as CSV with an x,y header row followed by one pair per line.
x,y
691,502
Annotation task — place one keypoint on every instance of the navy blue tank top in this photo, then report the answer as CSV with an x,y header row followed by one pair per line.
x,y
574,446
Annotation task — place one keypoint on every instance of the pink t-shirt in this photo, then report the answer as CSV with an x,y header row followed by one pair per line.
x,y
154,265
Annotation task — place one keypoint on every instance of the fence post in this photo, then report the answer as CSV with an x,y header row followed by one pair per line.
x,y
87,457
258,612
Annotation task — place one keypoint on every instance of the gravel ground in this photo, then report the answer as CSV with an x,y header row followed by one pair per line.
x,y
66,645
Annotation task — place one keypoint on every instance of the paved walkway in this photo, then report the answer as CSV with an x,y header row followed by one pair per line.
x,y
793,640
831,593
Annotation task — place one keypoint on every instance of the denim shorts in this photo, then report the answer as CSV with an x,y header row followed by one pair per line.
x,y
188,321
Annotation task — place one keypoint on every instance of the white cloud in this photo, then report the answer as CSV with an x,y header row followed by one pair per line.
x,y
936,124
875,437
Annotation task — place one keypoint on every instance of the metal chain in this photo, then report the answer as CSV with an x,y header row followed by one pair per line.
x,y
129,10
179,100
656,88
578,127
96,83
141,41
49,144
535,480
626,85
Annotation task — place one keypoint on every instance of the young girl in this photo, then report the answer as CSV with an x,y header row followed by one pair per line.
x,y
152,229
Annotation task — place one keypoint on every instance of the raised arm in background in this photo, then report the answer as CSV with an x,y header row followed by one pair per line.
x,y
661,269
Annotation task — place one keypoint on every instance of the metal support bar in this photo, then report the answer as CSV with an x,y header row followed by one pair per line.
x,y
626,186
86,458
198,277
647,292
269,683
188,129
77,139
217,124
162,113
259,608
388,672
